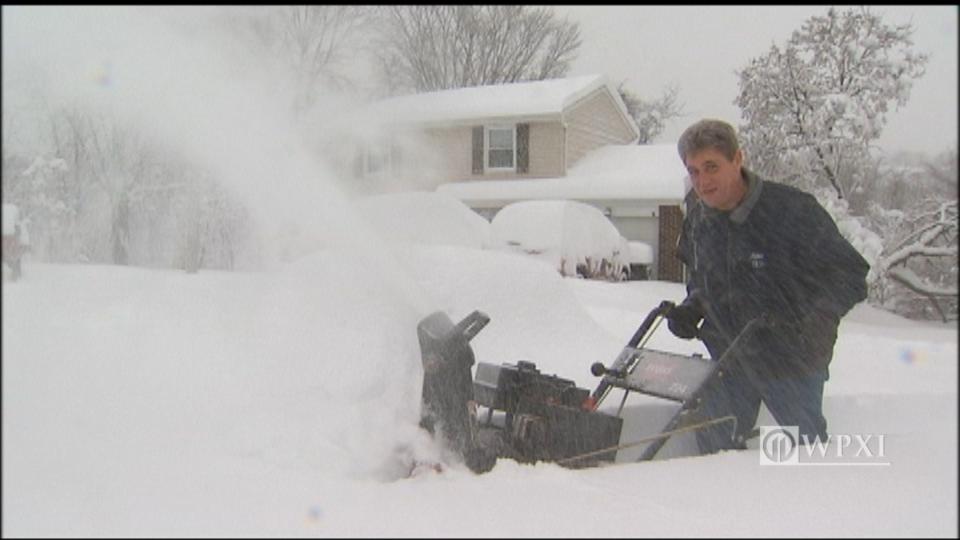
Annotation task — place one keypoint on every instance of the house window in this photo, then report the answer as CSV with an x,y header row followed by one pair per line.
x,y
501,142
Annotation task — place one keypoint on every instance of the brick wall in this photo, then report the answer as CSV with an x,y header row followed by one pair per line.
x,y
669,267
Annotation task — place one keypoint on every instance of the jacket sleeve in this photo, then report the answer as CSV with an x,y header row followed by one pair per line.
x,y
836,270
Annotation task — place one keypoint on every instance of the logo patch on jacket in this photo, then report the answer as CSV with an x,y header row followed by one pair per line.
x,y
758,260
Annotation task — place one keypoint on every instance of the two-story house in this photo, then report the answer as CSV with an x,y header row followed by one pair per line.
x,y
492,145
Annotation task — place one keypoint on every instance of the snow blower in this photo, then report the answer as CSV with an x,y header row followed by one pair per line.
x,y
515,411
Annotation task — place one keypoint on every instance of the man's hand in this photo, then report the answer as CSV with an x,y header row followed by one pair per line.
x,y
683,319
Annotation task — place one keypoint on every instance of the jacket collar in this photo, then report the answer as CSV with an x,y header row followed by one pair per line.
x,y
740,214
754,186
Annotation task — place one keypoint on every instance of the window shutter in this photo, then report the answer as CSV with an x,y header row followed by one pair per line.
x,y
523,145
478,150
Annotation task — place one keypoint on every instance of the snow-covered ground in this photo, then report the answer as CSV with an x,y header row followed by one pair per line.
x,y
147,402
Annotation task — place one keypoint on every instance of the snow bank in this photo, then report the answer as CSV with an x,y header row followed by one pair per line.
x,y
640,252
157,403
425,218
530,306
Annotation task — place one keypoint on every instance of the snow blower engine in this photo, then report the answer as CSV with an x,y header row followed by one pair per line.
x,y
529,416
517,412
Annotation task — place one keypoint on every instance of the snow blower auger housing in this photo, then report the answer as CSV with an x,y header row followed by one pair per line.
x,y
530,416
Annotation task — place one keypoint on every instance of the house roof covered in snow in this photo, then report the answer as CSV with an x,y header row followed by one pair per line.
x,y
613,172
530,100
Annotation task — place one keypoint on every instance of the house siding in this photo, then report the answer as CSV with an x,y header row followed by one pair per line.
x,y
445,154
546,150
592,123
453,148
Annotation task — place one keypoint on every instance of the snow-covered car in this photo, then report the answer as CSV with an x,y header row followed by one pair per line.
x,y
424,217
575,238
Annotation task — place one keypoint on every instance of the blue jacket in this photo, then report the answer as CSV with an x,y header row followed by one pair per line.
x,y
778,254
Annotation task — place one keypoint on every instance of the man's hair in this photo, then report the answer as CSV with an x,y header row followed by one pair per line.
x,y
708,133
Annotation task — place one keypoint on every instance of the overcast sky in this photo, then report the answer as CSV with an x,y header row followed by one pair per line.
x,y
698,49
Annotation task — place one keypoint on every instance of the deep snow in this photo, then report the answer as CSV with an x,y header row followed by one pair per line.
x,y
146,402
149,402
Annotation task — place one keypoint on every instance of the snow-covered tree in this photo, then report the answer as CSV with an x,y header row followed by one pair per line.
x,y
943,172
651,115
907,233
920,259
813,107
44,195
104,193
438,47
923,258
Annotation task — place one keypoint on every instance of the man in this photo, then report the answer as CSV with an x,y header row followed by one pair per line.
x,y
755,249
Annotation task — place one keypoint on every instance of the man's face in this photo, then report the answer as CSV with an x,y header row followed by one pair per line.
x,y
717,179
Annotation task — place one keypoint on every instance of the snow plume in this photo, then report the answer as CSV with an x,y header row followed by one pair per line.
x,y
183,78
179,76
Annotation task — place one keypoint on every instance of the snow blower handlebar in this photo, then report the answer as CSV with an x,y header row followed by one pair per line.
x,y
471,325
620,367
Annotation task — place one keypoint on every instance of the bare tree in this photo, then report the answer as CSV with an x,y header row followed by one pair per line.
x,y
108,159
215,226
651,116
316,44
41,190
814,107
436,47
